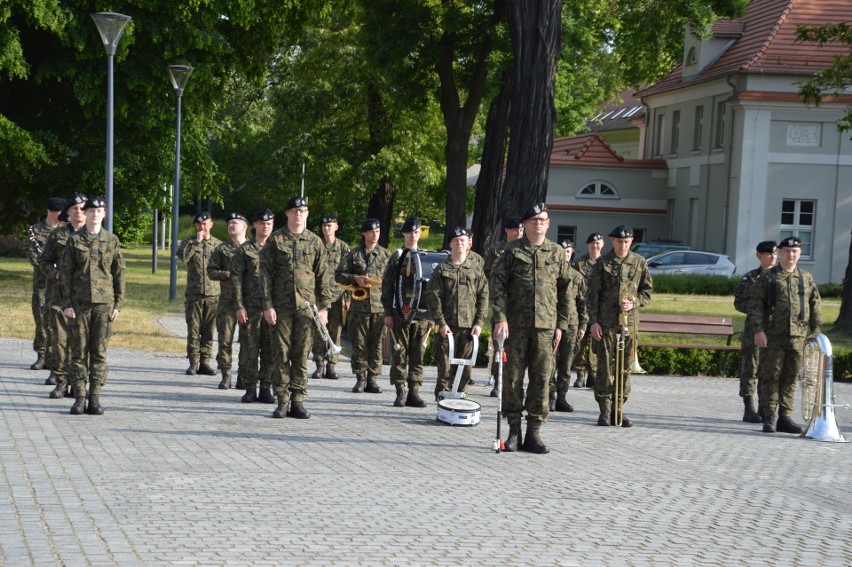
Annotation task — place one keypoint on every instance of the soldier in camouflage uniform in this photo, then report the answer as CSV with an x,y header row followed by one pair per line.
x,y
513,228
366,316
607,300
294,274
219,269
57,355
529,300
767,255
335,251
586,362
255,332
458,301
92,278
578,318
202,295
33,246
408,338
785,310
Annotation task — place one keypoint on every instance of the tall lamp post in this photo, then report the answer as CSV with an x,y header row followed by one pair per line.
x,y
111,27
179,75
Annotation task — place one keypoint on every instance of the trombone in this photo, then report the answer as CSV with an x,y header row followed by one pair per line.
x,y
622,369
333,349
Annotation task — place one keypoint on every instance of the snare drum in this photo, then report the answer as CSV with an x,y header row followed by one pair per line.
x,y
458,411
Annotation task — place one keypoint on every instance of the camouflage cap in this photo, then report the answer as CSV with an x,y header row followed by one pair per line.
x,y
622,231
236,217
457,232
411,224
295,203
534,210
512,222
594,237
94,203
767,246
263,215
790,242
201,217
370,224
55,204
329,217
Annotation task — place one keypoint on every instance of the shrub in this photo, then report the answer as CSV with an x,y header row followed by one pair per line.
x,y
695,284
842,366
11,246
830,289
688,362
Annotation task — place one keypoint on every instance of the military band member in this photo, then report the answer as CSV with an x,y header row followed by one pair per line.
x,y
586,361
36,237
202,295
529,300
335,251
578,319
92,278
607,301
255,332
767,255
785,310
219,269
57,355
408,339
366,316
457,297
293,275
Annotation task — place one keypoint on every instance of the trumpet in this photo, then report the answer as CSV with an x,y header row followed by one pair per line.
x,y
323,330
622,369
360,293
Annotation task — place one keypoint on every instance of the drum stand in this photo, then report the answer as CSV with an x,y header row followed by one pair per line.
x,y
453,408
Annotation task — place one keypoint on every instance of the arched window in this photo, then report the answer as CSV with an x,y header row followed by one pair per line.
x,y
598,189
691,56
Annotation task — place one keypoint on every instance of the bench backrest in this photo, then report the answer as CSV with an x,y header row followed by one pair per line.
x,y
685,324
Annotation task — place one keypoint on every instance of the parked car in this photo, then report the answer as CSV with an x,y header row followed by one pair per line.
x,y
648,249
691,262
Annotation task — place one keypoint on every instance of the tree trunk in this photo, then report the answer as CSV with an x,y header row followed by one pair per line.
x,y
843,324
487,221
536,31
381,201
381,207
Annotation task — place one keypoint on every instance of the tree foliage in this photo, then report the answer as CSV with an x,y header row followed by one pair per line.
x,y
832,80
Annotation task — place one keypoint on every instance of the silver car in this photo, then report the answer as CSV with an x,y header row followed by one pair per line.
x,y
691,262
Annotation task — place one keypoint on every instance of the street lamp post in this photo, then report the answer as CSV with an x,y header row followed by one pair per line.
x,y
111,27
179,75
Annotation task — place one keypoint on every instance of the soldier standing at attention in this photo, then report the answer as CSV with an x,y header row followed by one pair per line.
x,y
529,299
202,295
366,317
408,339
767,255
586,362
578,318
33,246
607,300
335,251
57,353
458,302
785,310
248,303
513,228
219,269
92,278
293,274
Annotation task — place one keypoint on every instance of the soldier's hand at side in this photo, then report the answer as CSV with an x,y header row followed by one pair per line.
x,y
226,275
69,312
323,316
444,329
242,316
270,316
557,338
760,339
580,334
501,329
113,316
476,330
596,331
389,321
345,305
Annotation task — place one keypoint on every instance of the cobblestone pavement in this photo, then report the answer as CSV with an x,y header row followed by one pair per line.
x,y
179,473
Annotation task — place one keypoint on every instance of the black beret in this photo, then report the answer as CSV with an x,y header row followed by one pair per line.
x,y
94,203
263,215
767,246
329,217
411,224
370,224
567,243
78,199
295,203
534,210
512,222
201,217
458,231
594,237
55,204
236,216
791,242
621,231
63,216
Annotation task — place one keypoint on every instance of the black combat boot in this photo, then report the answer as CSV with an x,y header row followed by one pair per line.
x,y
787,425
79,407
580,382
514,440
225,384
329,372
282,409
532,440
414,400
318,373
51,379
590,381
552,399
400,396
770,420
193,369
625,421
251,394
38,364
94,407
493,393
372,387
298,411
562,404
266,396
58,391
750,415
603,418
205,369
358,388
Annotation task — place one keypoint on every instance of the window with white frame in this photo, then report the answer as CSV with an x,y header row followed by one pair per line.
x,y
598,189
675,131
797,219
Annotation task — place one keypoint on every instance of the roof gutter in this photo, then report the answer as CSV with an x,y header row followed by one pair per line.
x,y
730,158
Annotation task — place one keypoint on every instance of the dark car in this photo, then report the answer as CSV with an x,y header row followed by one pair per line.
x,y
648,249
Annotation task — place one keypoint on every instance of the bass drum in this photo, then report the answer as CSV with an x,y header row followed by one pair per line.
x,y
458,412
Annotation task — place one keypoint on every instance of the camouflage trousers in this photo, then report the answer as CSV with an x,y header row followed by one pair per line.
x,y
463,345
531,351
256,342
780,364
366,331
226,324
585,357
335,329
292,337
605,349
88,336
749,360
200,327
407,346
561,377
40,319
57,354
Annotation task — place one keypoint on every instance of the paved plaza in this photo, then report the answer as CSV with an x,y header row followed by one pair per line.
x,y
179,473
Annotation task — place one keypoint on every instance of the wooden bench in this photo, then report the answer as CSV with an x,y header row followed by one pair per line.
x,y
691,325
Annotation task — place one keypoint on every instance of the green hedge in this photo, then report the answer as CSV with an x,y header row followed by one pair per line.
x,y
695,284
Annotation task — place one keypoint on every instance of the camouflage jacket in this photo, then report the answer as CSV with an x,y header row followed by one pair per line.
x,y
796,312
743,295
294,272
360,262
92,270
219,269
245,277
196,255
584,265
494,251
335,252
458,294
39,231
578,313
605,287
529,286
50,259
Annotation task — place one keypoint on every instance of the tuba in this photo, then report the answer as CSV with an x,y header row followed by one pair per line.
x,y
622,368
817,379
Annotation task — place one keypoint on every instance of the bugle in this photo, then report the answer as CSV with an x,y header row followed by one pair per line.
x,y
323,330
